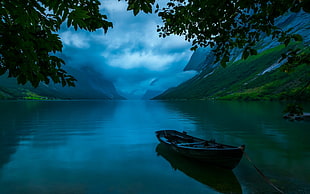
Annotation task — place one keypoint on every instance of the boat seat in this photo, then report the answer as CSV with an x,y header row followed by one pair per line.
x,y
176,137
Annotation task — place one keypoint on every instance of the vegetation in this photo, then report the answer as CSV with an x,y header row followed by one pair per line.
x,y
29,40
19,93
224,25
294,109
248,80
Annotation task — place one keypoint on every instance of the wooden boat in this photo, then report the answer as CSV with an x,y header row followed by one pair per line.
x,y
211,152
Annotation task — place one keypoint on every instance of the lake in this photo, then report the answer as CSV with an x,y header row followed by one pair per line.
x,y
110,147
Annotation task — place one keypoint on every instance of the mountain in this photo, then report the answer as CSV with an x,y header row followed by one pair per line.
x,y
90,85
149,94
200,58
257,78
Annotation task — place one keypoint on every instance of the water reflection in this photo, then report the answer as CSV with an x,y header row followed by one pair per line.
x,y
48,123
221,180
96,146
279,147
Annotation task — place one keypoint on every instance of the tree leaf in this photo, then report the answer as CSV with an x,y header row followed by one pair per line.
x,y
245,54
297,37
253,51
287,41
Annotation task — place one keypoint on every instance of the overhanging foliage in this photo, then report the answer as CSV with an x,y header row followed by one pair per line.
x,y
29,39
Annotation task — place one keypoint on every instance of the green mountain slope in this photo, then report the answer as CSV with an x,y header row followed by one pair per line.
x,y
256,78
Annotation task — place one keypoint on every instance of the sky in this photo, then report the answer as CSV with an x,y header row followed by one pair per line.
x,y
131,54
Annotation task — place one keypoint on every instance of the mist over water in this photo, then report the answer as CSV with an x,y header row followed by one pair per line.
x,y
110,147
131,54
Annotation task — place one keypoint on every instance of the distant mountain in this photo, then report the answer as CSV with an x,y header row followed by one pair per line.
x,y
256,78
150,94
90,85
200,58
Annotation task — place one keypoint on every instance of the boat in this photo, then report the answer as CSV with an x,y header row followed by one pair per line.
x,y
209,152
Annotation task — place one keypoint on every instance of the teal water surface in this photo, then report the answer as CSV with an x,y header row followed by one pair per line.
x,y
110,147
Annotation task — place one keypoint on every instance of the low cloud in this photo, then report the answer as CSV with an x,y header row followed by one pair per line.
x,y
145,59
131,54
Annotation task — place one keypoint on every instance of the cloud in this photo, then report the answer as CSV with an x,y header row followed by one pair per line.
x,y
131,53
74,39
113,6
145,59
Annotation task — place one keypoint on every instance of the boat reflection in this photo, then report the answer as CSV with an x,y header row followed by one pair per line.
x,y
219,179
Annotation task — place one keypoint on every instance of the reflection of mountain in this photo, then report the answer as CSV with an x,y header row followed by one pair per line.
x,y
9,129
8,142
215,112
48,123
90,85
219,179
234,115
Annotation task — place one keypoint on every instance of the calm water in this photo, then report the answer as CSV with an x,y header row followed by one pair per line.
x,y
110,147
